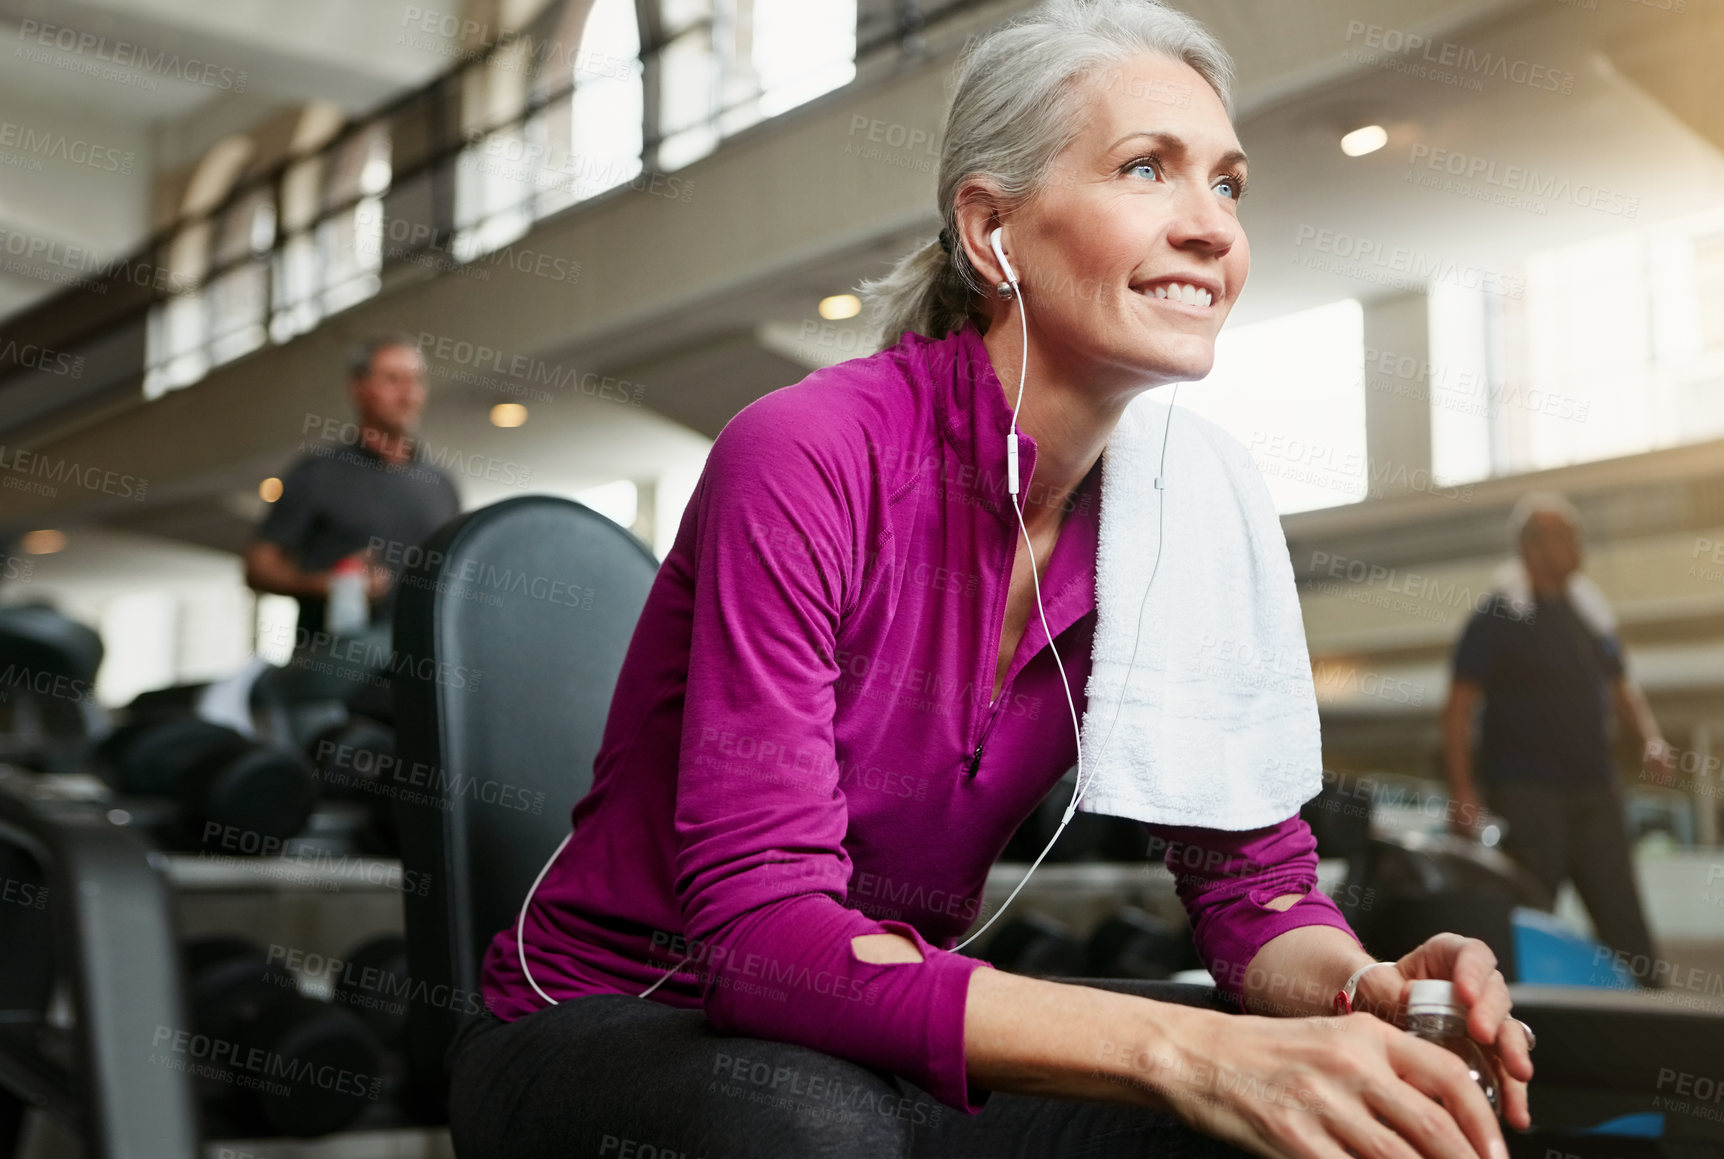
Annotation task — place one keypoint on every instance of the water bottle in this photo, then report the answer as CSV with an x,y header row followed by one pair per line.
x,y
1436,1015
347,610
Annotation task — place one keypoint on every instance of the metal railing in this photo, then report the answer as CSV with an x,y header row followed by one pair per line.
x,y
118,315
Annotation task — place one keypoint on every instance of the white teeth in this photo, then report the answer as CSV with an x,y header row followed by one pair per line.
x,y
1180,292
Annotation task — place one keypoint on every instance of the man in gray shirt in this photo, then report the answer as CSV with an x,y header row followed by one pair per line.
x,y
1547,668
358,483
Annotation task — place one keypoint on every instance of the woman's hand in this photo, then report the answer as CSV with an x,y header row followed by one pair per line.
x,y
1322,1088
1480,986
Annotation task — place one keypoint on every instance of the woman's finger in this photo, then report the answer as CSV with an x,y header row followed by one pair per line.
x,y
1406,1130
1514,1066
1422,1122
1471,970
1445,1078
1514,1048
1517,1111
1487,1013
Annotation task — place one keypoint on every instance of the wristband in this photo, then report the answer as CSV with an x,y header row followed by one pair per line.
x,y
1345,995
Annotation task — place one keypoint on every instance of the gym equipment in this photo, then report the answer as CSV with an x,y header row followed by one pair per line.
x,y
48,709
1134,943
167,703
230,794
374,984
1036,945
355,761
350,757
326,675
107,906
27,948
272,1059
1549,953
1402,890
1405,885
536,721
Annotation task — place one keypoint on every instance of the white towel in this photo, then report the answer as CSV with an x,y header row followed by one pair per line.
x,y
1218,726
1514,585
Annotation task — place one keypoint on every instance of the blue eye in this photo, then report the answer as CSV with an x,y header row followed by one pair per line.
x,y
1234,186
1149,163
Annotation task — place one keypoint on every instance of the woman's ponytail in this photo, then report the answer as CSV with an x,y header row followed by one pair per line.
x,y
923,293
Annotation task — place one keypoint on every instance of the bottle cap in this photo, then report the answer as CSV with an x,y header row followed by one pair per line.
x,y
1433,996
349,565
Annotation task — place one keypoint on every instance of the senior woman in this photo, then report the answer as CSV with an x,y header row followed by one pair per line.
x,y
837,707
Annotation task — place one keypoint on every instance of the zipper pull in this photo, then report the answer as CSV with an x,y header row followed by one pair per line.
x,y
975,760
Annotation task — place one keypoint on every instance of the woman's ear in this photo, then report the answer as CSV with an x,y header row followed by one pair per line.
x,y
979,211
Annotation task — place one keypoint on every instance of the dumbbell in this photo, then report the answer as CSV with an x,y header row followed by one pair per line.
x,y
373,983
1136,944
269,1059
351,757
47,718
1036,945
27,947
355,761
231,793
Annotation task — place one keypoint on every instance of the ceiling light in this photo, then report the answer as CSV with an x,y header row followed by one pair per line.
x,y
1362,141
508,414
840,306
270,489
44,542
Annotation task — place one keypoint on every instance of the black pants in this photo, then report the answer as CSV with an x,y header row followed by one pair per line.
x,y
1580,833
628,1078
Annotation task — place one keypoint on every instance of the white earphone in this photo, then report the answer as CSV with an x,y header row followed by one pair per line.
x,y
1012,435
1000,252
995,240
1011,277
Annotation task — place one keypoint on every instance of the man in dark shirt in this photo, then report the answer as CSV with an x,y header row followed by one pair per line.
x,y
358,484
1548,673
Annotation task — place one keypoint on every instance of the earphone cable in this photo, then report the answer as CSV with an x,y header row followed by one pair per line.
x,y
1035,582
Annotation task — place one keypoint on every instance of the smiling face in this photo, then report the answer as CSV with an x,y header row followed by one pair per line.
x,y
1132,254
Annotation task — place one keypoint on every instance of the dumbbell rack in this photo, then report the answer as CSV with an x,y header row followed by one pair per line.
x,y
121,910
1079,896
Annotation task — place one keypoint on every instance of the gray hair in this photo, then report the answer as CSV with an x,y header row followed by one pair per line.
x,y
359,358
1535,503
1014,109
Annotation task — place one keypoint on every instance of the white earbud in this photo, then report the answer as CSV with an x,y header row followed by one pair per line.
x,y
1012,433
1000,252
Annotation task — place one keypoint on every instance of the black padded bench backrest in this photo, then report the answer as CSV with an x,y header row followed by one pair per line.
x,y
511,625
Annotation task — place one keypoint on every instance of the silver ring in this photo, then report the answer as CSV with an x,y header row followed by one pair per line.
x,y
1531,1038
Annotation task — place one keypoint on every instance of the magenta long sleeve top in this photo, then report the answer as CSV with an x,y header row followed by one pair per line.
x,y
804,745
